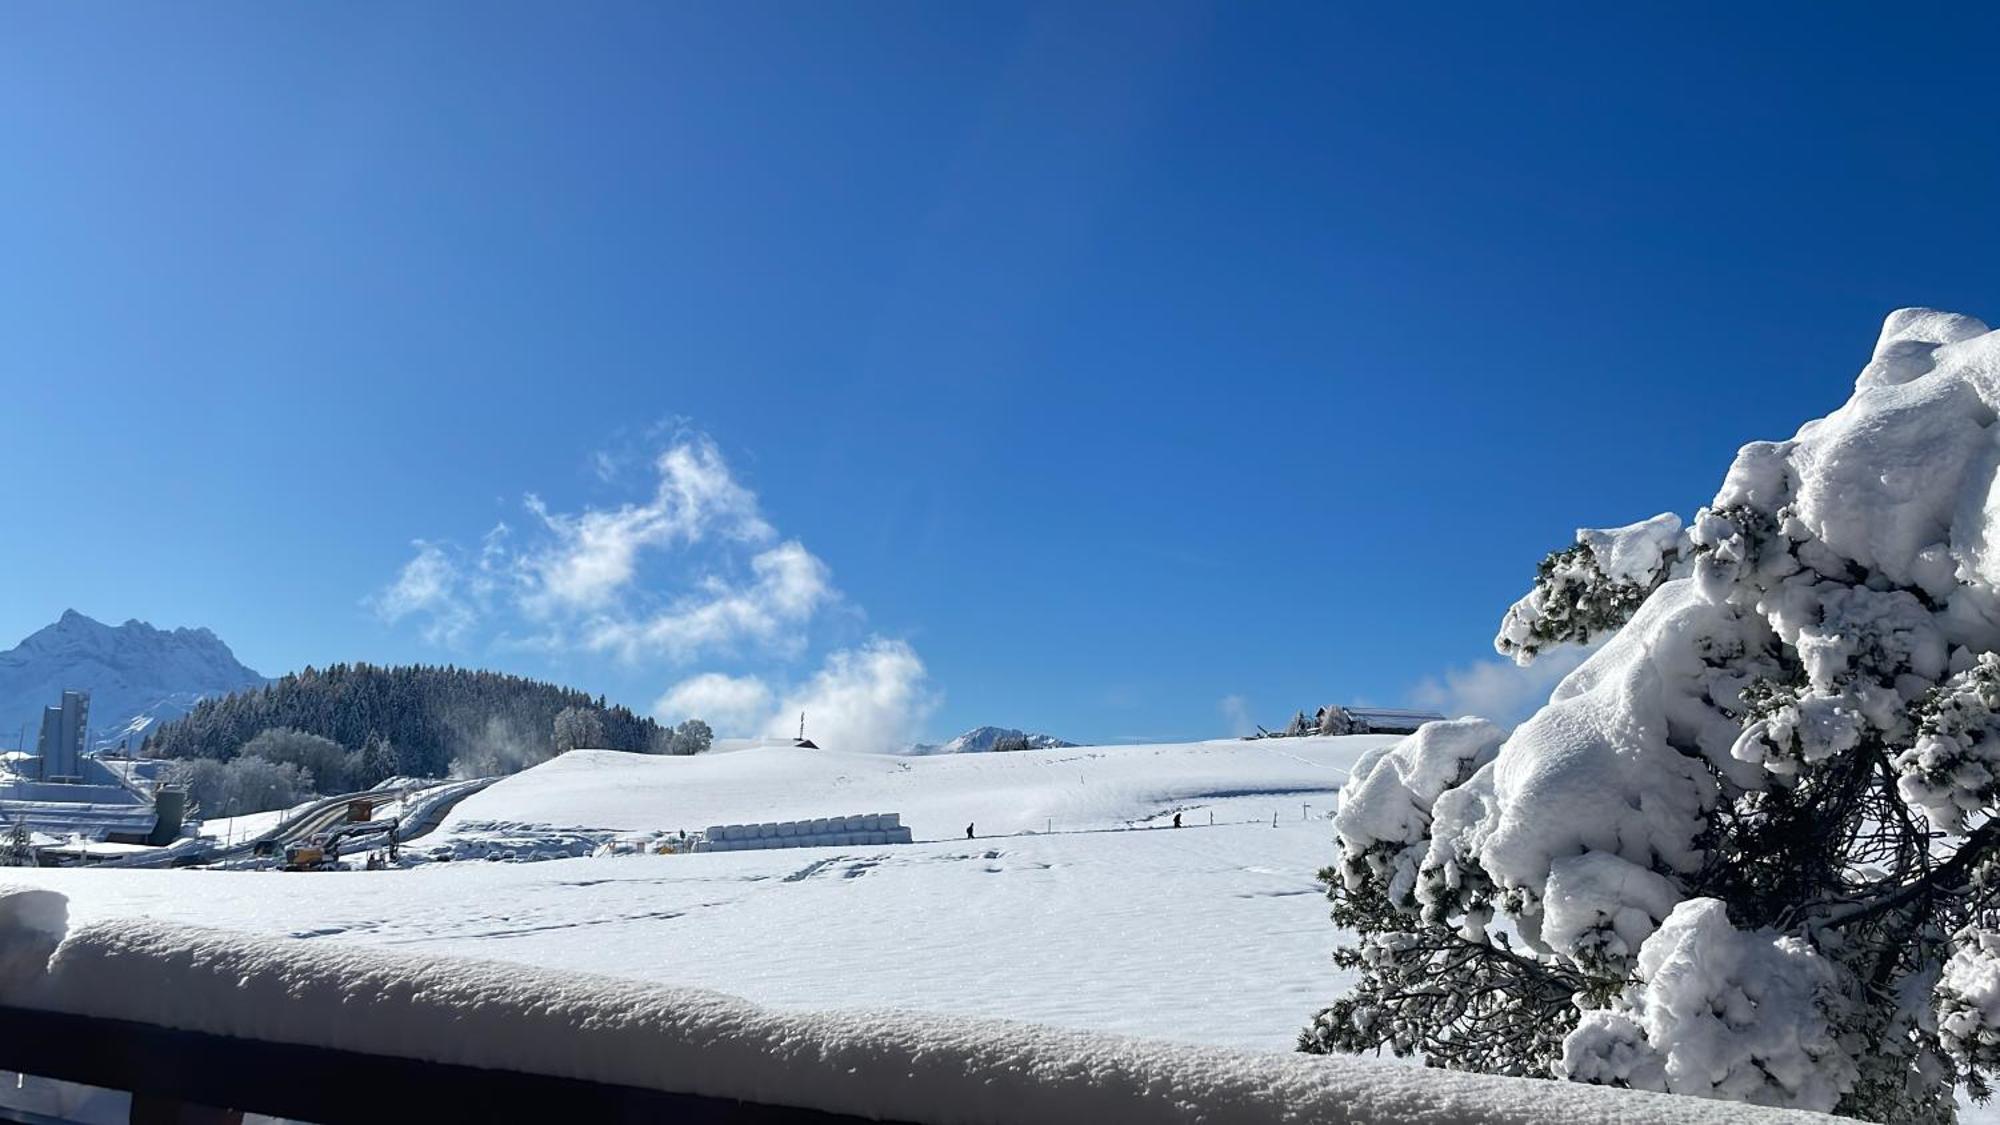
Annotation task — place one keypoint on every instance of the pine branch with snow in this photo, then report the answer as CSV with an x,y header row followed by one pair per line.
x,y
1592,587
1749,849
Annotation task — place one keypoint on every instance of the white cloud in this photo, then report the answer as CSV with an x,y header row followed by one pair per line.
x,y
593,556
429,584
1498,689
585,582
876,697
606,466
578,580
730,704
1236,714
789,586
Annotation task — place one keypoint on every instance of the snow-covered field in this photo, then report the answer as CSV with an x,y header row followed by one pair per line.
x,y
1063,790
1115,921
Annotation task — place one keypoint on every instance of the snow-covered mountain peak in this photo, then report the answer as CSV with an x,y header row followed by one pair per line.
x,y
136,674
980,740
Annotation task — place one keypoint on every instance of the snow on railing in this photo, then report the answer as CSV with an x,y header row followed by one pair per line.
x,y
610,1033
824,832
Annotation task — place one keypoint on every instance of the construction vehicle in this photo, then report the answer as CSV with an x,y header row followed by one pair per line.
x,y
322,852
314,853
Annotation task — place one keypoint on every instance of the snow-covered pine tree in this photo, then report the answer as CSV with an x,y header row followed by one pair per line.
x,y
1749,849
1300,726
379,761
20,846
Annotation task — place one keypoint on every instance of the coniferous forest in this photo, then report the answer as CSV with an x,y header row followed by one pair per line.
x,y
411,720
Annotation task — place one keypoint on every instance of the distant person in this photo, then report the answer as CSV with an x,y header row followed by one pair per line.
x,y
1177,820
968,831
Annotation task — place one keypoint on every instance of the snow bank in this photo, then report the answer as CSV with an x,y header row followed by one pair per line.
x,y
32,922
887,1065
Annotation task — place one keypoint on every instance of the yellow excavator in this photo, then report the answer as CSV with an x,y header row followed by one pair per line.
x,y
322,852
314,853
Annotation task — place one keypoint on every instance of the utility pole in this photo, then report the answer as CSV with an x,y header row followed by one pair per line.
x,y
802,726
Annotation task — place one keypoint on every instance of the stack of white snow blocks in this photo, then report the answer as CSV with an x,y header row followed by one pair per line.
x,y
825,832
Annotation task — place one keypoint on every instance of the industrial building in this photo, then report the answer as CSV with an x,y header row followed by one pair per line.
x,y
62,791
60,748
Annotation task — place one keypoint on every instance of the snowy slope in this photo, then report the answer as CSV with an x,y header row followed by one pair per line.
x,y
1028,791
137,676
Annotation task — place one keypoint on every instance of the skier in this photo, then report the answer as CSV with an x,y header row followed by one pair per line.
x,y
1177,820
968,831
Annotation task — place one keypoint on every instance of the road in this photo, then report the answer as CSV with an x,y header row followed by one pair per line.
x,y
326,815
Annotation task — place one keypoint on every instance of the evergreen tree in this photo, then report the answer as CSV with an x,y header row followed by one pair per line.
x,y
20,847
1751,848
377,763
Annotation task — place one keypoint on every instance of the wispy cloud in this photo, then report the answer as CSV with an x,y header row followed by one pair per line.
x,y
1499,690
429,585
576,580
731,704
788,586
692,569
590,558
1236,715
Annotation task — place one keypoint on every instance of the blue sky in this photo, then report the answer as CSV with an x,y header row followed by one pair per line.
x,y
1104,362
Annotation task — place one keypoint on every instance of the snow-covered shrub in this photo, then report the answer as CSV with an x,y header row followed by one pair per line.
x,y
1748,849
